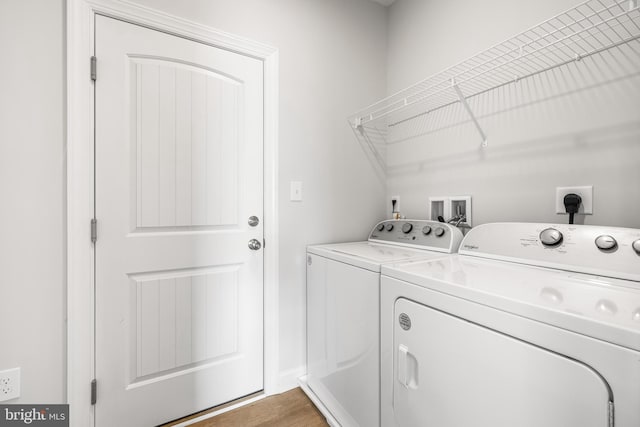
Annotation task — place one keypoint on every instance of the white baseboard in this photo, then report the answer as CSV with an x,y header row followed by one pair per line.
x,y
288,380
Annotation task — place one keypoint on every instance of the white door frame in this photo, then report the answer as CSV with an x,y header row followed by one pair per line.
x,y
80,185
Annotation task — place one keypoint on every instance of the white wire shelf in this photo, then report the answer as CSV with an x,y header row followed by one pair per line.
x,y
590,28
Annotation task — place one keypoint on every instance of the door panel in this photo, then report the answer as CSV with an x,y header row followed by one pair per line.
x,y
183,319
178,172
450,373
187,139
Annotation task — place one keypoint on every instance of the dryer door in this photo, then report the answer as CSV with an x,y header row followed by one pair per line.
x,y
449,372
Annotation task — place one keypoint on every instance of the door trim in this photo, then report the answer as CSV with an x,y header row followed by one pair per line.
x,y
80,16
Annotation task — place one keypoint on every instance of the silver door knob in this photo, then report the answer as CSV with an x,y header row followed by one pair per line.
x,y
254,244
253,221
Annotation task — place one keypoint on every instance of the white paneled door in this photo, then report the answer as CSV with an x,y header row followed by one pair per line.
x,y
179,297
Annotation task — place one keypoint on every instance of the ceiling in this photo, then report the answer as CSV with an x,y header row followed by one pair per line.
x,y
384,2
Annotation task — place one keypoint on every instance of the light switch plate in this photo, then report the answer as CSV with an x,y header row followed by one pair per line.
x,y
296,191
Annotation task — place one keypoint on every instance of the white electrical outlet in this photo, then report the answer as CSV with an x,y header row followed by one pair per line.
x,y
585,193
9,384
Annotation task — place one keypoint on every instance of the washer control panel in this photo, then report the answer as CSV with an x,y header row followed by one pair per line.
x,y
419,233
605,251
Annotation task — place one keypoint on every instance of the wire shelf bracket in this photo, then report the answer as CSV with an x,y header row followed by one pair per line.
x,y
466,106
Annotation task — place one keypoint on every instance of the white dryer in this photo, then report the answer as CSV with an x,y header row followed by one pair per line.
x,y
343,320
529,325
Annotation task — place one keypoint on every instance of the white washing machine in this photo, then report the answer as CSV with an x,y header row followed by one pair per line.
x,y
530,325
343,322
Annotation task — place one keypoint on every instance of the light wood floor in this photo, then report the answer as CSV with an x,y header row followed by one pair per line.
x,y
290,409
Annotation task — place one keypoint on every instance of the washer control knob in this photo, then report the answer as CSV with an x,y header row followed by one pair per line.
x,y
380,227
606,242
439,231
426,230
636,246
389,227
407,227
550,237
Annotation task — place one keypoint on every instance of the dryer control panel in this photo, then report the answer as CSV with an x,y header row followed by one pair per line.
x,y
604,251
418,233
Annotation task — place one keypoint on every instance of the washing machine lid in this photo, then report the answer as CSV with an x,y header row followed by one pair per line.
x,y
600,307
371,255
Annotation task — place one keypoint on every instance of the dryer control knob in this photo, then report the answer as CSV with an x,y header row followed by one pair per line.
x,y
550,237
407,227
606,242
439,231
389,227
636,246
426,230
380,227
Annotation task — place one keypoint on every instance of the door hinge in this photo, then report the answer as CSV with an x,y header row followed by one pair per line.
x,y
94,391
94,68
612,419
94,230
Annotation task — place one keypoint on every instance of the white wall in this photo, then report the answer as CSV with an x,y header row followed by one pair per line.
x,y
588,138
32,245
